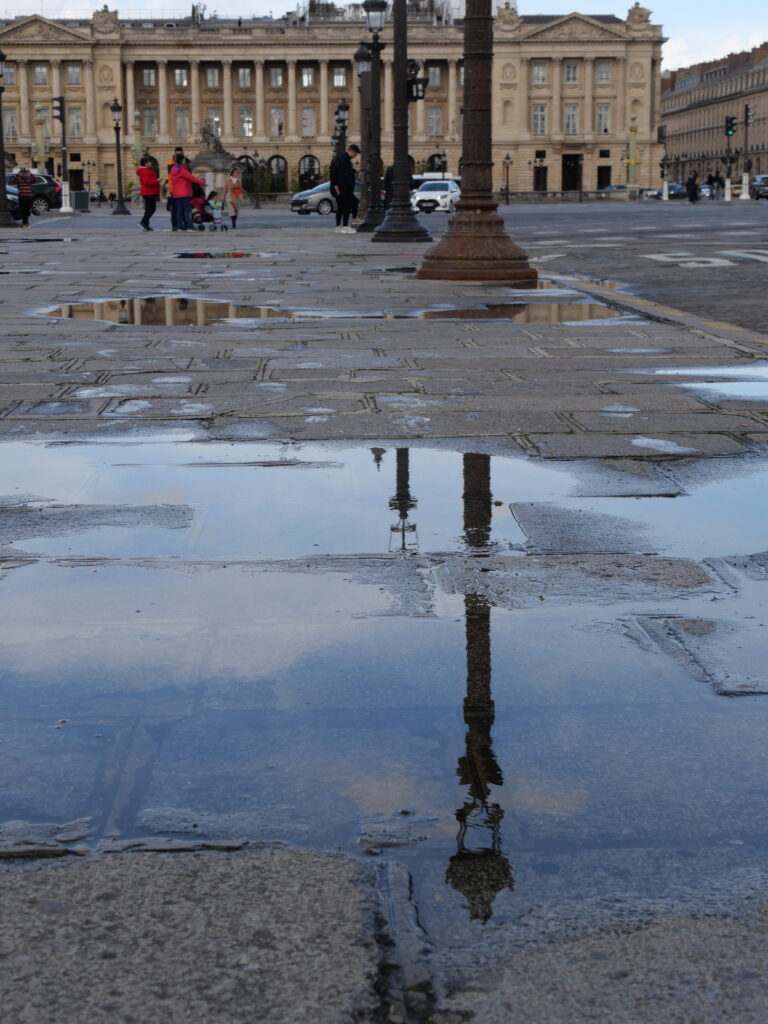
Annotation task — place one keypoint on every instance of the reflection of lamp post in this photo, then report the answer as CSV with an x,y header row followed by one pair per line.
x,y
507,165
402,503
477,246
6,220
632,159
363,62
400,223
116,112
375,14
478,870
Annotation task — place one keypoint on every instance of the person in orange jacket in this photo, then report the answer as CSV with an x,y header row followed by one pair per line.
x,y
181,182
150,190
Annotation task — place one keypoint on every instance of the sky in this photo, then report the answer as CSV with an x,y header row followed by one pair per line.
x,y
700,31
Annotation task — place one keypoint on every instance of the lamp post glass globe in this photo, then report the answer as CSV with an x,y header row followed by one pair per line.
x,y
116,111
375,14
363,59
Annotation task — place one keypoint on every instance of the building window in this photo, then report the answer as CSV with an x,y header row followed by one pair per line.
x,y
539,72
541,154
41,74
571,118
435,120
212,78
276,78
276,122
244,78
246,122
182,121
433,74
308,123
602,71
571,71
603,118
605,154
9,74
149,122
339,78
180,78
10,123
149,77
73,74
44,115
539,120
213,120
75,122
307,78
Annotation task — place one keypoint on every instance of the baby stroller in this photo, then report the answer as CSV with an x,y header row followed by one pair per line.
x,y
201,214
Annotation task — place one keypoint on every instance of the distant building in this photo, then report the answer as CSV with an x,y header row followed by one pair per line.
x,y
564,89
695,103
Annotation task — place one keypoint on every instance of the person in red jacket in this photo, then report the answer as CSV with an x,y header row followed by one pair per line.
x,y
150,190
181,182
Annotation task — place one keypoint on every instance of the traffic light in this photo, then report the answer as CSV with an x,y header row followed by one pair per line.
x,y
58,108
730,124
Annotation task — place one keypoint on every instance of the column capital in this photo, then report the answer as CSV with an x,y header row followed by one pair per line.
x,y
227,62
54,61
194,62
130,63
259,62
163,62
291,62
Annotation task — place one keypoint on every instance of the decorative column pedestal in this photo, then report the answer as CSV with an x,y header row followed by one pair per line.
x,y
477,246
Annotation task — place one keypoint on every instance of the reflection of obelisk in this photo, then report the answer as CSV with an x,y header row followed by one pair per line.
x,y
402,502
477,500
478,870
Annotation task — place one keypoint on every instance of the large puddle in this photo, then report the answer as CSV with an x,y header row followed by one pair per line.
x,y
749,381
178,311
461,661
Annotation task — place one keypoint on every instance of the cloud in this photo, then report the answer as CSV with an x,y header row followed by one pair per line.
x,y
705,44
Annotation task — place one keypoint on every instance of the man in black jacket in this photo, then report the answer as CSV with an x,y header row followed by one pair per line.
x,y
343,187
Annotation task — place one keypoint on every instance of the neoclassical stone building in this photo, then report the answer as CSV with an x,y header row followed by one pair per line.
x,y
565,88
695,104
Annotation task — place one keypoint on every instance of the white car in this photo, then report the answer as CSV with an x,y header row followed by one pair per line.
x,y
435,195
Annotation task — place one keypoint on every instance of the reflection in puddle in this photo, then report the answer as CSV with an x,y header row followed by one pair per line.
x,y
311,642
176,311
748,381
217,255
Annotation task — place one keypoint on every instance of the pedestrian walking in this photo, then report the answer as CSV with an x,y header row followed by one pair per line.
x,y
692,187
149,188
181,182
712,182
343,187
24,179
233,189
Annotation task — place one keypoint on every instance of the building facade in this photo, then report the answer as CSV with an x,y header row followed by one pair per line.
x,y
564,90
695,103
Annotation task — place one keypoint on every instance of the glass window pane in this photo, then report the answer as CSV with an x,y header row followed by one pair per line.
x,y
213,117
539,70
149,121
435,120
276,122
212,78
73,74
75,122
339,78
41,74
10,123
433,73
276,78
246,122
182,121
307,77
308,122
148,77
9,74
244,78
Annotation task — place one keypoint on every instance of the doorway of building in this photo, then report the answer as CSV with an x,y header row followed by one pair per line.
x,y
603,176
540,179
76,179
572,172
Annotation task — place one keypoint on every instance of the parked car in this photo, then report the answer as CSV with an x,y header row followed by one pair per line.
x,y
614,188
759,187
46,192
435,195
319,199
12,195
676,191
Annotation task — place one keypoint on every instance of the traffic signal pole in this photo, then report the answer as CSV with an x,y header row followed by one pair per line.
x,y
60,113
749,111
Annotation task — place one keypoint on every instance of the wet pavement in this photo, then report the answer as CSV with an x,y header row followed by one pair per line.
x,y
478,605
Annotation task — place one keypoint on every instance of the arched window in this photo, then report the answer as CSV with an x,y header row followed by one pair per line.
x,y
309,171
437,163
277,174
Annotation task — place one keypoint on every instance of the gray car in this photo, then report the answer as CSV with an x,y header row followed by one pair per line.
x,y
319,199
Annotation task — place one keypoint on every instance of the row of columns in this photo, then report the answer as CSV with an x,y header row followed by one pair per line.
x,y
22,74
557,98
291,128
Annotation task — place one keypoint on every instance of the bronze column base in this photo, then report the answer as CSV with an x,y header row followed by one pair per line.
x,y
478,248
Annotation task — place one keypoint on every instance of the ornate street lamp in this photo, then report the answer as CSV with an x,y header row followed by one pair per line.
x,y
341,114
507,165
477,246
401,223
363,63
6,220
117,110
375,14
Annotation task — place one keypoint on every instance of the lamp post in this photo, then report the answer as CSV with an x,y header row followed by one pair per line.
x,y
507,165
375,14
120,207
400,223
363,63
443,164
6,220
477,246
341,113
40,149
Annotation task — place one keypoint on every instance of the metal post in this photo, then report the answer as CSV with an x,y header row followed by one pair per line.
x,y
477,246
400,223
120,207
374,213
747,162
363,61
507,165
